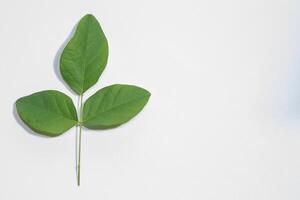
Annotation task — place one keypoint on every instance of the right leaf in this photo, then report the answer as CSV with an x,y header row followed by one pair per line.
x,y
85,56
113,106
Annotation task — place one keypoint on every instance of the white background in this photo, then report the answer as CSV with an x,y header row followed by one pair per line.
x,y
223,122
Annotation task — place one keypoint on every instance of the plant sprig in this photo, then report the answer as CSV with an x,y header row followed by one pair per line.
x,y
83,60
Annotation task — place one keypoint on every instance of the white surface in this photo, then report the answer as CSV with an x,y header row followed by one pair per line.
x,y
223,122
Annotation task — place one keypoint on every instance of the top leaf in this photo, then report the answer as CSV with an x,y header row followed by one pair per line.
x,y
85,56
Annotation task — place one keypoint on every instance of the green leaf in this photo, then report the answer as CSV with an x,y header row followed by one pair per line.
x,y
113,106
47,112
85,56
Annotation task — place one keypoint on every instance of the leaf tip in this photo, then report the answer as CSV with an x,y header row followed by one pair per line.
x,y
89,16
148,93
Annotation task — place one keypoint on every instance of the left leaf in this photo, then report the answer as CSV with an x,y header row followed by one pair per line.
x,y
49,112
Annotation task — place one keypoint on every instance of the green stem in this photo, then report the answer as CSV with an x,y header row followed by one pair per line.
x,y
79,140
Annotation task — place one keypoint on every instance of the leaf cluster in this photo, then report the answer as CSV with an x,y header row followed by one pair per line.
x,y
82,62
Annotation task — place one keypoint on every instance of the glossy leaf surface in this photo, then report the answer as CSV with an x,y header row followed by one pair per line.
x,y
85,56
48,112
113,106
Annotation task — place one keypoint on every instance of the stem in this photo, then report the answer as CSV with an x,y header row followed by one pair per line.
x,y
79,140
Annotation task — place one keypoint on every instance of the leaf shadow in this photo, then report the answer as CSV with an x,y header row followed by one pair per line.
x,y
56,60
23,125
